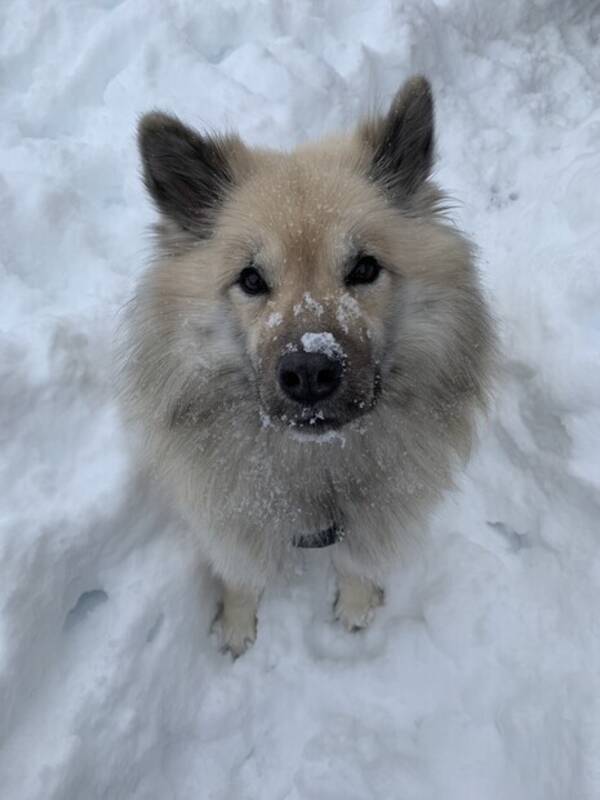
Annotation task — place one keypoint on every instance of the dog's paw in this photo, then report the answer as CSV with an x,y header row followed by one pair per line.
x,y
235,631
356,603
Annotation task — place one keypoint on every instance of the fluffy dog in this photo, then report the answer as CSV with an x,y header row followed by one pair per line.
x,y
307,352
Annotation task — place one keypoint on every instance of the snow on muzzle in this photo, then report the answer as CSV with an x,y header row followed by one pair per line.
x,y
321,383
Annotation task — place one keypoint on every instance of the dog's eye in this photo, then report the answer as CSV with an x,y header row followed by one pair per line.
x,y
365,270
251,281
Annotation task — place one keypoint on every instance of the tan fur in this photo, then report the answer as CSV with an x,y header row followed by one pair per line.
x,y
200,365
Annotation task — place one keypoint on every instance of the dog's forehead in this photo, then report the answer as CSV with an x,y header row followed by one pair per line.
x,y
307,205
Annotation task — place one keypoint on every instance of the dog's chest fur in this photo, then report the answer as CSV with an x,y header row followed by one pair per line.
x,y
266,487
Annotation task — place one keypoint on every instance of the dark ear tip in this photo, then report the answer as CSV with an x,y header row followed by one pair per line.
x,y
415,91
153,123
419,85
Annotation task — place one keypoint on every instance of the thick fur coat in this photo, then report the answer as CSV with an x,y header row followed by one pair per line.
x,y
341,248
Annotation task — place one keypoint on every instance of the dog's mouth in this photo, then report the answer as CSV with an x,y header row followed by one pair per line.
x,y
318,420
316,423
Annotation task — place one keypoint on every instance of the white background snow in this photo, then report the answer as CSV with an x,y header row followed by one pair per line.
x,y
480,679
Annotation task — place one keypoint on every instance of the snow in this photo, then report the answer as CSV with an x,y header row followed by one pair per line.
x,y
322,342
336,438
479,678
274,319
308,305
347,310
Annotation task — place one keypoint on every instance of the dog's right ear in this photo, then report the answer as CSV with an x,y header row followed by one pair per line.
x,y
187,174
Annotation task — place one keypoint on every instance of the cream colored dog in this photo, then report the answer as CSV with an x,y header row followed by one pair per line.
x,y
306,353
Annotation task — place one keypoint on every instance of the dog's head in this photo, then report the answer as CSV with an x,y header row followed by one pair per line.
x,y
310,285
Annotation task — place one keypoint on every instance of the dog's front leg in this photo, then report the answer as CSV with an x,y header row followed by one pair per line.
x,y
357,596
235,623
356,601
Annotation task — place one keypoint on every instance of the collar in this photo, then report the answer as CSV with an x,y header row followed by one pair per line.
x,y
323,538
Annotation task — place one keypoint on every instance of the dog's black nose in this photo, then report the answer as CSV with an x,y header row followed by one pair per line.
x,y
309,378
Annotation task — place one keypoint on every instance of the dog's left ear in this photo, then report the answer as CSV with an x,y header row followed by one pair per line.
x,y
401,142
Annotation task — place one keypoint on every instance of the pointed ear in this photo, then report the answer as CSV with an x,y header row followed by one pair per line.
x,y
401,142
187,174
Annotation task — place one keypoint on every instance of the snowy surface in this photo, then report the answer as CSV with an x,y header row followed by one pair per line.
x,y
480,678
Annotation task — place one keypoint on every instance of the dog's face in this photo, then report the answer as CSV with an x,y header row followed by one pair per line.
x,y
308,284
311,290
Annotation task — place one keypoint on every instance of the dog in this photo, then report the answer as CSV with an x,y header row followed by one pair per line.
x,y
307,354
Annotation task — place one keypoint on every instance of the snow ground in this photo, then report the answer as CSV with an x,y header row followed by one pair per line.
x,y
480,679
